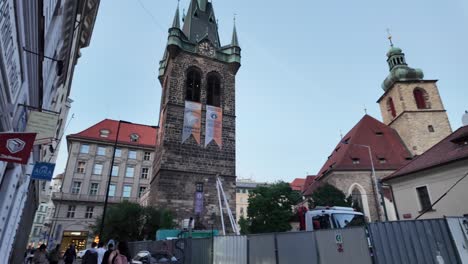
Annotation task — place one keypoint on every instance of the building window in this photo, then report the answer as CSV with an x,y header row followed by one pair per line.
x,y
104,133
127,191
93,190
144,173
242,211
97,170
431,129
71,211
43,185
130,172
132,154
391,107
89,212
244,191
199,187
382,160
134,137
192,89
80,168
76,187
356,161
84,149
141,191
421,98
118,153
424,199
115,170
213,91
237,190
101,151
36,231
112,190
147,156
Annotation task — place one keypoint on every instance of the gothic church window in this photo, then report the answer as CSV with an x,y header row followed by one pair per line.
x,y
213,91
192,89
391,107
421,98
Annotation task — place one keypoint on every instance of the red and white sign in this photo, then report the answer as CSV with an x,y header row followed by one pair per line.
x,y
16,147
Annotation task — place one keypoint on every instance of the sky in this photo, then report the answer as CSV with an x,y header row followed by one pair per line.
x,y
309,70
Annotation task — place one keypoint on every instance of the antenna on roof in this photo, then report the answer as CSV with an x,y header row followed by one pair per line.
x,y
465,119
390,37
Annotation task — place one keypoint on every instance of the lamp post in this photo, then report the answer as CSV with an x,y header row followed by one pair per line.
x,y
101,228
377,185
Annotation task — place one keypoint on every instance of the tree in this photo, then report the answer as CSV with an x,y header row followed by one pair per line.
x,y
132,222
329,195
244,226
270,208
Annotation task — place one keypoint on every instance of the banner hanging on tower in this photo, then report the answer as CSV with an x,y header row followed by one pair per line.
x,y
214,125
192,121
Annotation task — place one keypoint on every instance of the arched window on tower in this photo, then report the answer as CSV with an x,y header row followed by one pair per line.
x,y
213,92
421,98
391,107
357,200
192,86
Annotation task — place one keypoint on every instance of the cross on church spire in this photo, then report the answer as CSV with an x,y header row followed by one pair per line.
x,y
390,37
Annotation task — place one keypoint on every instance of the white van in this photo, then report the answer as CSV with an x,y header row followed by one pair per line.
x,y
333,218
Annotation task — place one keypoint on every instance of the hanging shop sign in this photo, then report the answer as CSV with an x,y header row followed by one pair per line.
x,y
192,121
43,171
16,147
214,125
44,124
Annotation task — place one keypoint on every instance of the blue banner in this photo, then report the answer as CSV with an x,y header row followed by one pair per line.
x,y
43,171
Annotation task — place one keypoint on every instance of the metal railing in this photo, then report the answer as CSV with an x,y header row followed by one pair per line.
x,y
60,196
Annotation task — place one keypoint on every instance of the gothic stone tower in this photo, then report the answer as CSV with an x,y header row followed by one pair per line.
x,y
412,105
197,76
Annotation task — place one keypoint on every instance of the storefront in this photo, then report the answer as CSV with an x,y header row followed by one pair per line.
x,y
79,238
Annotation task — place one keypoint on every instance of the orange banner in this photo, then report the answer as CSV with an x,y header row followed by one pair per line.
x,y
214,125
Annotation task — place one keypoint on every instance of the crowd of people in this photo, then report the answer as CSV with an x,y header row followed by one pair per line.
x,y
96,254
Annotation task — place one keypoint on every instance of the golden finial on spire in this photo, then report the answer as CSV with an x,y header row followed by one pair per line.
x,y
390,37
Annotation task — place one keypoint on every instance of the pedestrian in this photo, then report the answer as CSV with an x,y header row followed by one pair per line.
x,y
40,256
54,255
91,255
110,249
101,251
70,254
121,255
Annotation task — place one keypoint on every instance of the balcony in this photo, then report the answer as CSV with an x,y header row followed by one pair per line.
x,y
59,196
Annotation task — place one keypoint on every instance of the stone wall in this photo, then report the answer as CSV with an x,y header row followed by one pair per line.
x,y
179,167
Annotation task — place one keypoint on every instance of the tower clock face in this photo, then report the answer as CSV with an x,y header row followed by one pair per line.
x,y
206,49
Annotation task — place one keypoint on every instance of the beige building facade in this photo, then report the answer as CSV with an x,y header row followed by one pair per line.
x,y
83,191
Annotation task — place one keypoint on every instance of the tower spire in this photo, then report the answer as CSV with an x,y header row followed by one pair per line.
x,y
235,40
176,23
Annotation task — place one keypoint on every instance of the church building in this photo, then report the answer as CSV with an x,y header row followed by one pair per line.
x,y
197,120
414,120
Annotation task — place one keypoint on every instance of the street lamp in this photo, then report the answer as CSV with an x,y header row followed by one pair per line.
x,y
101,229
376,183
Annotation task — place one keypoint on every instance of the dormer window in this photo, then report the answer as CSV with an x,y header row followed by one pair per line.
x,y
104,133
134,137
382,160
356,161
379,133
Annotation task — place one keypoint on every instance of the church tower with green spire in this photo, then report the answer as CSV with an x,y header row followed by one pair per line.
x,y
412,105
197,127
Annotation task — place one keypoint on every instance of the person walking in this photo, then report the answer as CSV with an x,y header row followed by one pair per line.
x,y
91,255
100,251
40,256
121,255
54,255
70,254
110,249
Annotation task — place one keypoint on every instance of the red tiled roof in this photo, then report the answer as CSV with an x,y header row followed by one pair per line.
x,y
309,180
385,143
452,148
147,135
297,184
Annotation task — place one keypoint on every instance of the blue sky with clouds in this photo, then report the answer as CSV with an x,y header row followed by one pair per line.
x,y
309,68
